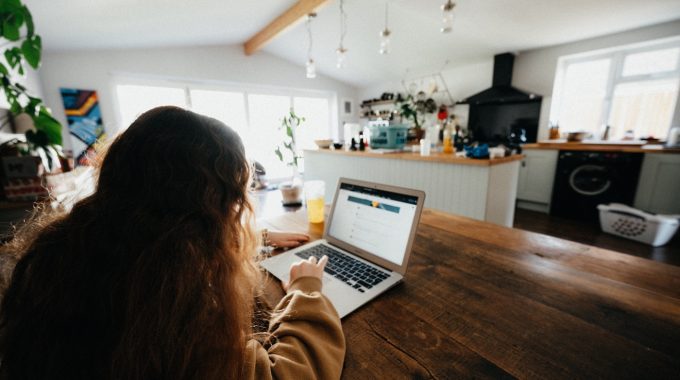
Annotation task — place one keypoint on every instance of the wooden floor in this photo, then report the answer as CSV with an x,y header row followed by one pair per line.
x,y
591,234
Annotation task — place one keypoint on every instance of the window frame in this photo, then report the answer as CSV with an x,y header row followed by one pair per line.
x,y
617,58
123,79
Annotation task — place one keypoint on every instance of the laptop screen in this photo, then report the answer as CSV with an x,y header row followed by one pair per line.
x,y
376,221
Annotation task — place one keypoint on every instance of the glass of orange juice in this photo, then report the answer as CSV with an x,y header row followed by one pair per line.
x,y
315,192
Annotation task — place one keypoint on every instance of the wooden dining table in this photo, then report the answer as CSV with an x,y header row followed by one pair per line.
x,y
485,301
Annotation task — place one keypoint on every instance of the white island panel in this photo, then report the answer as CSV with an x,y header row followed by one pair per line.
x,y
454,188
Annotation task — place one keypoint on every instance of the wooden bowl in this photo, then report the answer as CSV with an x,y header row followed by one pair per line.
x,y
323,144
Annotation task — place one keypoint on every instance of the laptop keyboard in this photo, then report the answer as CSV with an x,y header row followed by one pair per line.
x,y
345,268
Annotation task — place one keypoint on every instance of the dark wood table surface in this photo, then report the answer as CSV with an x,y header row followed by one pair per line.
x,y
484,301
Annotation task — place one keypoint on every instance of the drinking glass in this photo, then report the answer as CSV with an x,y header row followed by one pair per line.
x,y
315,192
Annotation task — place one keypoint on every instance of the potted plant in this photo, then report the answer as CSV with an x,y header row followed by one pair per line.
x,y
414,109
288,153
23,46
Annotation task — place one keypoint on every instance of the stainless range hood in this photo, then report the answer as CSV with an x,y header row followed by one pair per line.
x,y
501,91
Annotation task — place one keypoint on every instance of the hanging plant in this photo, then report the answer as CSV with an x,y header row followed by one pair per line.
x,y
23,46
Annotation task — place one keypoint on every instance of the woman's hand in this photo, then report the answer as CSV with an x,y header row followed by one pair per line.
x,y
286,239
306,268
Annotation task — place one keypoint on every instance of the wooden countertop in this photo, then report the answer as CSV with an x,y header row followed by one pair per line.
x,y
627,148
485,301
448,158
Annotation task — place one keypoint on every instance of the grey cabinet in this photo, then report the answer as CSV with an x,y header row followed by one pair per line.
x,y
659,186
536,177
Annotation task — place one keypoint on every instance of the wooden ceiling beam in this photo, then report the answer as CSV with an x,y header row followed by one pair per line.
x,y
284,21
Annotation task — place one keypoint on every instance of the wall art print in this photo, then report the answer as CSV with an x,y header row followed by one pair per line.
x,y
84,121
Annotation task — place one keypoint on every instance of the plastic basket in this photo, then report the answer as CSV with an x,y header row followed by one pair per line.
x,y
388,137
621,220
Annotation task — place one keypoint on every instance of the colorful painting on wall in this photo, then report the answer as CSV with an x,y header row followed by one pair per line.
x,y
84,121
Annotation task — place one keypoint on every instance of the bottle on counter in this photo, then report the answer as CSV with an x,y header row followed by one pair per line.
x,y
448,143
554,132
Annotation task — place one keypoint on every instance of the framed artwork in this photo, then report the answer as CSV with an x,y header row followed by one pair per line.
x,y
84,121
347,106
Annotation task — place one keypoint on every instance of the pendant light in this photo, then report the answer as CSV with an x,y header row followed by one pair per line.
x,y
310,66
385,35
341,51
447,16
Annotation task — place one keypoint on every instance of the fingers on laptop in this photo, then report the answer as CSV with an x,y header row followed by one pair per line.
x,y
322,262
310,267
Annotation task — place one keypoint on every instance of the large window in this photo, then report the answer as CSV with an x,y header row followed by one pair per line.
x,y
633,90
254,115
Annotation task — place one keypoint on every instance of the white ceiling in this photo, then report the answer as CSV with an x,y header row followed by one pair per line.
x,y
482,28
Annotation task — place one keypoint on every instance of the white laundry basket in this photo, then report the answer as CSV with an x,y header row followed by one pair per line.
x,y
631,223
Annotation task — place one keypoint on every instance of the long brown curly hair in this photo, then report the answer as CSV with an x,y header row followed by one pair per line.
x,y
152,276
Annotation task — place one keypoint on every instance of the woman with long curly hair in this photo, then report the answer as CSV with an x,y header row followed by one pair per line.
x,y
153,276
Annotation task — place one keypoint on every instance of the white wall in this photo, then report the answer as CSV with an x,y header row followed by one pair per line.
x,y
534,70
30,80
97,70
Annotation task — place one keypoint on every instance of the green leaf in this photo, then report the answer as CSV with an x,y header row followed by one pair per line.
x,y
3,69
49,125
14,106
13,57
31,48
11,25
289,131
278,154
30,26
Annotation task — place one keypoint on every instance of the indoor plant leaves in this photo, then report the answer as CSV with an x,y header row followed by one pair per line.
x,y
31,48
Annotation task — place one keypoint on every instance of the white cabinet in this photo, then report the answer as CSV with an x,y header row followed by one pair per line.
x,y
536,177
659,186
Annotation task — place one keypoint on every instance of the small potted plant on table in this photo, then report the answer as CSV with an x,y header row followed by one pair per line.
x,y
287,152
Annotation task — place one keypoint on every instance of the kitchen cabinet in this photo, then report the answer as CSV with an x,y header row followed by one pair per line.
x,y
536,176
659,186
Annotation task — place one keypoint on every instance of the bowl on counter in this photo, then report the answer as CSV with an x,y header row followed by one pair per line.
x,y
338,145
576,136
323,144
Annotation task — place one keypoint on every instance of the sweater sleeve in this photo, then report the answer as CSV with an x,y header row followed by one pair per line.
x,y
307,341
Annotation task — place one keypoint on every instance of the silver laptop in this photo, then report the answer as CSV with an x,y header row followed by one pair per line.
x,y
368,239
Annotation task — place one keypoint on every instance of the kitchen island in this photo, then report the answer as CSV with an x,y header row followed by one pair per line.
x,y
482,189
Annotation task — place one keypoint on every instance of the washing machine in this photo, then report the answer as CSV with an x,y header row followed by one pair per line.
x,y
586,179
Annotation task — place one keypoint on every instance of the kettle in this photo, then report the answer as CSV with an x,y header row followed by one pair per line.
x,y
673,140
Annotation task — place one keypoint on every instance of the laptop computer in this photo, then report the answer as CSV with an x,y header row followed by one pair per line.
x,y
368,238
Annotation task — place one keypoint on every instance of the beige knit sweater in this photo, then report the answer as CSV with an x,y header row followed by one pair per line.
x,y
308,342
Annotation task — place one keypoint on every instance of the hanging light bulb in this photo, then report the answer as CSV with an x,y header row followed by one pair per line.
x,y
310,69
341,55
310,66
341,51
447,16
385,36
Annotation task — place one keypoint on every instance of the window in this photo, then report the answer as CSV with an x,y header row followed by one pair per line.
x,y
255,115
133,100
628,89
